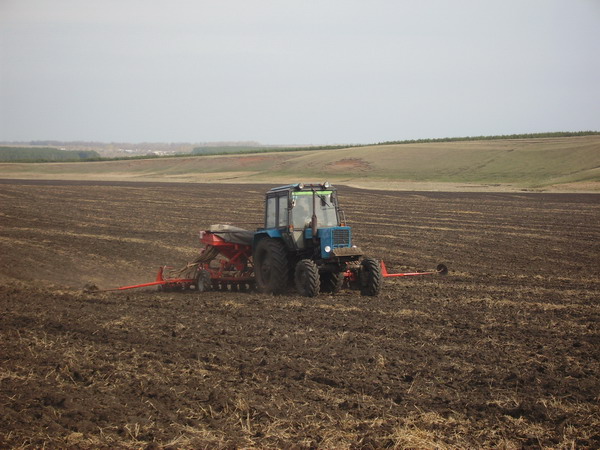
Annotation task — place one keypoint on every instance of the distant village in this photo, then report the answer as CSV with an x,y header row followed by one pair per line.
x,y
137,151
120,149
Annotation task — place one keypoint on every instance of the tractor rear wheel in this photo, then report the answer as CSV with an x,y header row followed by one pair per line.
x,y
270,266
307,278
370,277
331,282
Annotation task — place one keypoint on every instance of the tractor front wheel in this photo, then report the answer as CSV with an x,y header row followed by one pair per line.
x,y
270,266
370,277
307,278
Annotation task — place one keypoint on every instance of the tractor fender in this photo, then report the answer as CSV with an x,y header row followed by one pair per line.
x,y
259,235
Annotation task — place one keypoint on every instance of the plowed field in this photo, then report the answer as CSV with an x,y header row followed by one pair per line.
x,y
503,352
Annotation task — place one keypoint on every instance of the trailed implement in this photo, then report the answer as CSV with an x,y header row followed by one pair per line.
x,y
224,263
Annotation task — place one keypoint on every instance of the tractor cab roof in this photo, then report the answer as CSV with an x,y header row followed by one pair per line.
x,y
303,187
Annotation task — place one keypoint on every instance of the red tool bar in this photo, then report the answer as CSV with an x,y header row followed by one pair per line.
x,y
385,273
154,283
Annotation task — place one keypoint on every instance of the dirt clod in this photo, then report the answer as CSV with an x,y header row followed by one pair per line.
x,y
89,288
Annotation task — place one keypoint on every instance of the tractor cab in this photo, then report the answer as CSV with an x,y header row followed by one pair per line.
x,y
307,218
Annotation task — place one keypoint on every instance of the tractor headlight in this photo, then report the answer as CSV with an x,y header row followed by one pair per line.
x,y
327,248
326,185
300,186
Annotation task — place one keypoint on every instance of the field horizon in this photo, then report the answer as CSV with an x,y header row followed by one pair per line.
x,y
555,164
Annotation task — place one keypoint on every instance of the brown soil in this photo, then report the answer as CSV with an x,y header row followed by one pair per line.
x,y
503,352
346,164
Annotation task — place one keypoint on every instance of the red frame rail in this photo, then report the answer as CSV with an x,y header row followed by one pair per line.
x,y
160,281
440,270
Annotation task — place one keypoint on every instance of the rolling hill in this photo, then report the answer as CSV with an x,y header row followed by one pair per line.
x,y
562,163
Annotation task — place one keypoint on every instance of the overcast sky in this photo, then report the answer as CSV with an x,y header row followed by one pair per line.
x,y
296,71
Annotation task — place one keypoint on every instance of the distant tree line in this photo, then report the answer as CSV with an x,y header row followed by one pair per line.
x,y
45,154
490,138
225,150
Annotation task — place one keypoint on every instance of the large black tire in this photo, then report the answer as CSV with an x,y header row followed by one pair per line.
x,y
370,277
270,266
331,282
306,277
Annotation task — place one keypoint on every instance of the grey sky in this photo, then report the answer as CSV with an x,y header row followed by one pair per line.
x,y
296,72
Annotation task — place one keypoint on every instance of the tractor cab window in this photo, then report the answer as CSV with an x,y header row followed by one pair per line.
x,y
325,210
302,211
271,213
276,214
283,211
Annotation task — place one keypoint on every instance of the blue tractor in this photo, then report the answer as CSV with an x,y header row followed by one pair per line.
x,y
306,243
